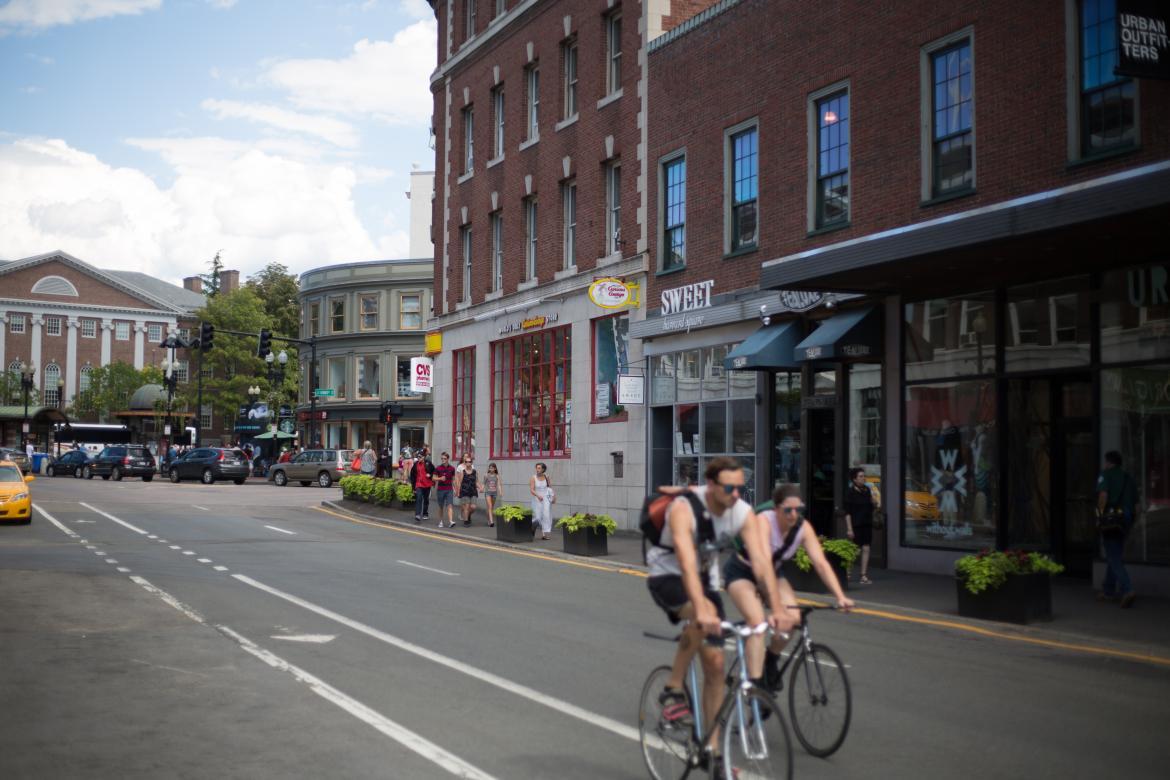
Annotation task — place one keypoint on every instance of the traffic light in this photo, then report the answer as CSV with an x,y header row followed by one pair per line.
x,y
206,335
265,343
391,412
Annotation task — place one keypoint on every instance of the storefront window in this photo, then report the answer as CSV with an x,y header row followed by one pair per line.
x,y
950,337
1135,314
715,428
369,376
662,379
786,429
714,377
951,465
865,414
611,348
687,368
1048,325
402,379
1135,421
531,395
463,438
335,372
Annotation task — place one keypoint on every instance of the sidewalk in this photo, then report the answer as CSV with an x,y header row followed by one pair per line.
x,y
1078,617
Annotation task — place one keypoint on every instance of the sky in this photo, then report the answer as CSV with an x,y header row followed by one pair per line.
x,y
148,135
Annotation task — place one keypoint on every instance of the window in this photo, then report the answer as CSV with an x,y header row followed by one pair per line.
x,y
501,7
183,333
531,395
16,323
530,234
369,376
84,378
569,60
154,333
205,413
469,19
611,358
950,337
1107,101
88,329
468,140
613,208
1135,314
498,125
402,380
832,160
315,318
952,111
467,264
743,154
674,213
463,410
532,77
368,307
206,371
1048,325
786,429
409,311
336,315
182,370
335,376
52,394
122,331
497,251
52,326
569,205
613,37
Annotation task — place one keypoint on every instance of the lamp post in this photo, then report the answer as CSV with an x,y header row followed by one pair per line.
x,y
171,383
28,375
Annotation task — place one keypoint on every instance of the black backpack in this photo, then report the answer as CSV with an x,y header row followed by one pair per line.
x,y
653,519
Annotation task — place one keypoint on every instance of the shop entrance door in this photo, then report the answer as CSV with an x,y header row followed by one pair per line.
x,y
822,465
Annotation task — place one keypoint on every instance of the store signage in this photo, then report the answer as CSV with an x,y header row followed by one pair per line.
x,y
818,402
422,375
631,389
610,293
433,343
800,300
855,350
529,323
1143,46
305,416
287,426
286,410
688,297
601,400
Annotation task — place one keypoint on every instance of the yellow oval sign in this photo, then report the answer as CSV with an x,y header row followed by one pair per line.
x,y
609,293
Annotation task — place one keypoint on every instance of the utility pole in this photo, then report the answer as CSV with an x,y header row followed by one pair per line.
x,y
312,392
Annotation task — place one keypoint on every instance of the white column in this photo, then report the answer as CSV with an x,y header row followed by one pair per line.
x,y
107,335
139,344
70,360
3,339
34,358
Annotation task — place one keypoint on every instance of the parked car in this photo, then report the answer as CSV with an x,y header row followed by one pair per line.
x,y
210,464
18,457
121,460
71,463
15,496
321,466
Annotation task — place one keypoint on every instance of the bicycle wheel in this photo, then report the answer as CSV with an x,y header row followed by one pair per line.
x,y
666,745
819,700
755,739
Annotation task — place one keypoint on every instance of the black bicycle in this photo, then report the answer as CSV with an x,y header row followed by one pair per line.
x,y
820,702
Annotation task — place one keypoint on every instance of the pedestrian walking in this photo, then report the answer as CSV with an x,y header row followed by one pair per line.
x,y
384,459
859,506
491,492
406,463
542,499
469,487
422,479
368,459
28,451
444,489
1116,502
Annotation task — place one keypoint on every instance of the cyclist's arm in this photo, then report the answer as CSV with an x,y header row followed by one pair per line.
x,y
682,531
812,546
757,539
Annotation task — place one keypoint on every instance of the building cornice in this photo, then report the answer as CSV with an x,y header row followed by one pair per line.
x,y
24,305
481,40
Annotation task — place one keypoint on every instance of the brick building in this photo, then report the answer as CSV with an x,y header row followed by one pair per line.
x,y
932,238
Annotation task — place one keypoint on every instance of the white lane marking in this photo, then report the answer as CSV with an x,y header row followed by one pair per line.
x,y
123,569
57,523
572,710
99,553
90,546
151,536
397,732
428,568
221,568
188,552
176,547
110,560
84,522
274,528
205,509
204,560
316,639
108,516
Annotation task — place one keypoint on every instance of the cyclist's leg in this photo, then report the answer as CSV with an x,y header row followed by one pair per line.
x,y
788,598
747,601
688,644
712,660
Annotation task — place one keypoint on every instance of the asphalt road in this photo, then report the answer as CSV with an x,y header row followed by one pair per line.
x,y
237,631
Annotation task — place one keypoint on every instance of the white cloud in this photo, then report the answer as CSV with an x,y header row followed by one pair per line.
x,y
416,9
49,13
332,130
387,80
31,89
221,3
41,58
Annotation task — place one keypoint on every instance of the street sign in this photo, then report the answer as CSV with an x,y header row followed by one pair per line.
x,y
166,430
323,392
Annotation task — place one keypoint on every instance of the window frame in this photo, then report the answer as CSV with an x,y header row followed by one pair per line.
x,y
84,378
402,296
469,19
569,225
119,327
151,329
339,393
315,318
929,189
730,205
613,207
498,116
815,204
17,319
467,238
51,393
1074,108
613,53
511,374
362,313
677,157
359,372
496,219
333,315
570,97
206,415
532,101
624,415
90,325
462,396
531,236
57,322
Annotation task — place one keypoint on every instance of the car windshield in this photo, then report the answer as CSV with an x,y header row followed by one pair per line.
x,y
9,474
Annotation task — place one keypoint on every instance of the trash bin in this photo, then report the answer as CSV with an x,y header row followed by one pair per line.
x,y
38,459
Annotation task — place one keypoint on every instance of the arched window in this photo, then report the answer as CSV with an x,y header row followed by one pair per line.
x,y
52,393
55,285
15,366
83,380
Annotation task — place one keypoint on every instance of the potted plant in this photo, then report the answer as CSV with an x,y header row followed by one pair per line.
x,y
841,553
383,493
513,523
586,533
1012,586
405,494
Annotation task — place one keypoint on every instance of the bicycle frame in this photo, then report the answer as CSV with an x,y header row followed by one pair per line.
x,y
731,698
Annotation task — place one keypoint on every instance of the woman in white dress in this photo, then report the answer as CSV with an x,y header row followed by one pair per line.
x,y
542,499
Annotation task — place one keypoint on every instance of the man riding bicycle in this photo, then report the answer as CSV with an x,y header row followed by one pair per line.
x,y
683,579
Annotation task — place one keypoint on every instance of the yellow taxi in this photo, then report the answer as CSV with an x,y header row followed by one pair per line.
x,y
921,504
15,497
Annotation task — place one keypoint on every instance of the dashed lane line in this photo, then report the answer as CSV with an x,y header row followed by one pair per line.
x,y
428,568
108,516
281,530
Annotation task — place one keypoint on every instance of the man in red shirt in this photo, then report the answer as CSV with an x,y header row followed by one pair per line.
x,y
444,490
422,480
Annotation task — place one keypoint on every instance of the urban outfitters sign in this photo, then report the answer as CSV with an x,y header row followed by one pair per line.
x,y
1143,45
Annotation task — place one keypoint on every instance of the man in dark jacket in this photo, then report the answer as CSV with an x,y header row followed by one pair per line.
x,y
1116,505
422,479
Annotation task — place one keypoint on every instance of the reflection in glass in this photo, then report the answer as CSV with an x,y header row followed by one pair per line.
x,y
743,426
950,337
1029,436
662,379
370,376
686,429
714,377
1048,325
715,427
786,430
1135,314
686,471
865,411
687,366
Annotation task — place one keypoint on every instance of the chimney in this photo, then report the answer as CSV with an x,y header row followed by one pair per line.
x,y
193,283
229,281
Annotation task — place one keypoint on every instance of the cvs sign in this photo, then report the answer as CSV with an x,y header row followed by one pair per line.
x,y
422,375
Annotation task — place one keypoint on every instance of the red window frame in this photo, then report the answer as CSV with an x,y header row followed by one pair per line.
x,y
463,399
529,406
593,418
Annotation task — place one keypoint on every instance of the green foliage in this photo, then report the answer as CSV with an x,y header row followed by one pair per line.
x,y
110,388
383,492
13,393
581,520
211,278
277,289
511,512
989,569
843,549
359,486
403,492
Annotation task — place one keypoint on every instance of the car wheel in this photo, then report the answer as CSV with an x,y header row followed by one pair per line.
x,y
87,473
306,482
175,476
280,478
324,479
208,476
147,477
77,473
116,474
50,471
239,480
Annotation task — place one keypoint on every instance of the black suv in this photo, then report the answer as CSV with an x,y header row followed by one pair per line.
x,y
122,460
71,463
210,464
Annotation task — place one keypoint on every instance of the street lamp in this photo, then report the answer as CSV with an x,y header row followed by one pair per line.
x,y
979,325
276,366
171,383
28,375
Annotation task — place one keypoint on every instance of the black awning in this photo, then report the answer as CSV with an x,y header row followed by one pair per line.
x,y
850,334
770,347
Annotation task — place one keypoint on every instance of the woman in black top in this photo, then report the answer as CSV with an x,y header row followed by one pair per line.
x,y
859,506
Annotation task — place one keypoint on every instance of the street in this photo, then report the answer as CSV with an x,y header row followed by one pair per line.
x,y
238,631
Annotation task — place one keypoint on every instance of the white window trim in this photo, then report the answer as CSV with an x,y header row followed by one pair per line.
x,y
118,329
926,91
467,239
610,55
612,225
531,236
48,330
570,43
811,174
13,320
497,225
377,312
468,115
666,159
499,114
421,303
532,104
151,338
92,324
569,261
729,178
344,312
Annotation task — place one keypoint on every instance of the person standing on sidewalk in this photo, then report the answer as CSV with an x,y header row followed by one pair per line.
x,y
444,489
542,499
491,492
369,460
468,488
1116,502
859,506
422,479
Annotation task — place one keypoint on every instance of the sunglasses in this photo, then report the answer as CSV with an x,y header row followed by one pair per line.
x,y
795,510
730,489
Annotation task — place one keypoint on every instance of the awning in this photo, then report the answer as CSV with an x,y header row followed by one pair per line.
x,y
850,334
770,347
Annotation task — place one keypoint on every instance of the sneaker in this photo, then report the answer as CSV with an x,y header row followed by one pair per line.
x,y
676,707
426,518
466,523
772,679
1128,599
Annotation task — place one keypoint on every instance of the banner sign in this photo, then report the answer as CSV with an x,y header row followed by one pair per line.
x,y
421,374
631,389
1143,46
610,293
433,342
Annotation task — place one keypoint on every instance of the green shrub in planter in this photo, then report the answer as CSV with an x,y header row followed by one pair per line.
x,y
403,492
584,520
509,513
384,492
990,569
843,550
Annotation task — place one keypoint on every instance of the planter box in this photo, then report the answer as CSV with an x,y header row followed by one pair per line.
x,y
407,504
810,582
586,541
1024,598
516,531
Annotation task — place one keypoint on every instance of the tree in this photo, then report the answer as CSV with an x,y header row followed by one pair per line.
x,y
12,392
278,290
110,388
211,278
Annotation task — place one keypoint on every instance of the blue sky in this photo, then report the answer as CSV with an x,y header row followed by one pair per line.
x,y
148,134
